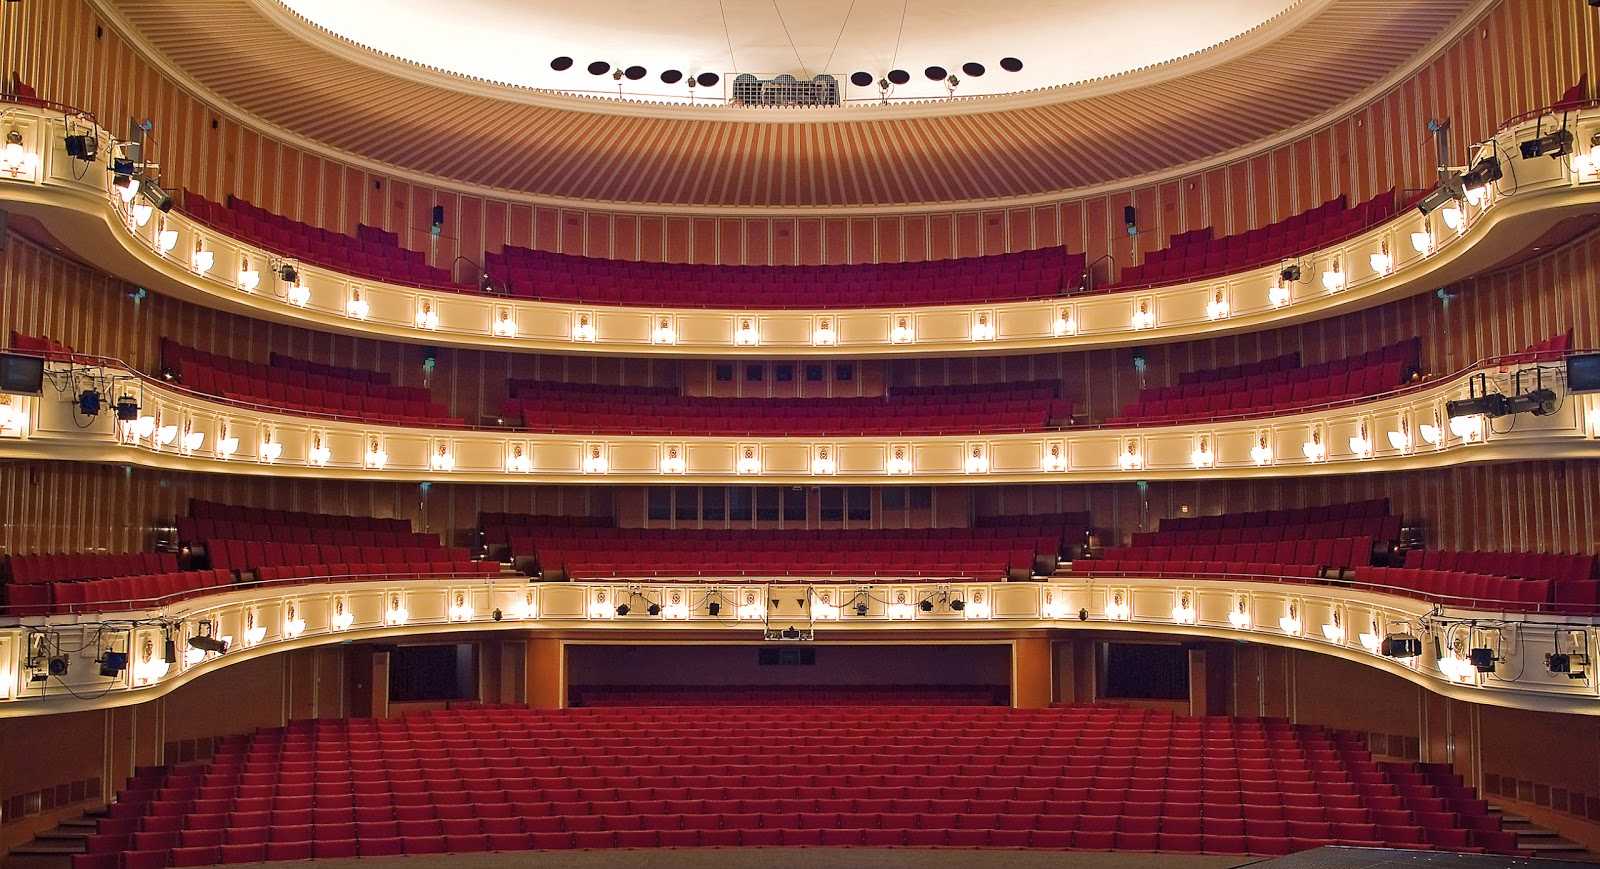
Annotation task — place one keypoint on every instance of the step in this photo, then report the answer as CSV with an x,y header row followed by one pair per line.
x,y
61,834
1560,846
38,848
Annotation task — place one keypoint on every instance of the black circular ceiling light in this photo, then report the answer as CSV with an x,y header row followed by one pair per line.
x,y
899,76
973,69
936,73
1010,64
672,76
635,73
599,67
707,79
561,64
861,79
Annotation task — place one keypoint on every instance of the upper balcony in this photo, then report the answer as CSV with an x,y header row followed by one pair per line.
x,y
1412,252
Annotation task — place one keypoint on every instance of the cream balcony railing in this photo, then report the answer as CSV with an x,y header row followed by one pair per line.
x,y
149,422
176,255
54,664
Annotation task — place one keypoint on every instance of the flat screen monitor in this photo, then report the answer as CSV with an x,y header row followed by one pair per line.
x,y
21,375
1583,373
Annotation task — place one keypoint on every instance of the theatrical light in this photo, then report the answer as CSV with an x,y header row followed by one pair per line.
x,y
127,408
427,317
161,199
1143,318
1240,617
83,147
664,333
902,333
1482,659
1066,325
504,326
745,335
955,604
1131,460
714,608
205,643
1381,261
584,331
1554,144
861,608
112,664
249,278
824,335
1400,645
203,259
1438,197
983,330
926,606
299,295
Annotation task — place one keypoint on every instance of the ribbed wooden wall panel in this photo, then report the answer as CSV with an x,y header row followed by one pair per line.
x,y
1521,56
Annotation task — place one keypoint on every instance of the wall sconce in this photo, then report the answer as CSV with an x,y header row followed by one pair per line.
x,y
357,307
899,463
1360,444
1066,323
673,463
1218,307
203,259
396,614
1130,460
749,462
823,335
1400,439
1279,293
1202,456
1240,617
16,160
460,606
664,333
443,459
823,464
319,454
1315,449
299,295
977,459
1053,462
902,332
517,462
1333,279
584,329
1333,631
1117,608
746,335
1143,318
504,325
166,239
1261,453
594,460
1183,613
983,328
343,618
249,278
427,317
526,607
1382,262
375,458
1290,624
293,625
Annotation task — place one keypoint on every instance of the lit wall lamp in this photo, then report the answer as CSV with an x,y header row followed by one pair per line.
x,y
1587,162
977,605
293,624
427,317
1183,613
1280,294
357,307
1382,262
1314,449
902,332
594,460
1261,453
664,333
1422,242
676,608
226,445
342,618
1202,456
1400,439
749,461
166,239
1218,307
746,335
1361,444
1143,318
1333,631
1117,608
460,606
1371,640
823,464
15,160
192,439
203,259
673,463
504,325
751,607
443,459
517,461
319,454
1290,623
254,631
1053,462
823,335
396,614
249,278
1433,433
983,328
1130,460
977,459
298,294
822,607
526,607
1240,616
376,457
1454,218
583,330
1052,605
1066,323
899,463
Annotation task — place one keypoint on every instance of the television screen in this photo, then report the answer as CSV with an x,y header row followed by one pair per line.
x,y
21,375
1583,373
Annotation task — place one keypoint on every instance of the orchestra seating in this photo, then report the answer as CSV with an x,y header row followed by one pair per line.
x,y
589,551
1091,777
1305,543
287,546
1196,254
1273,386
535,274
1514,581
83,582
579,407
295,386
804,695
372,252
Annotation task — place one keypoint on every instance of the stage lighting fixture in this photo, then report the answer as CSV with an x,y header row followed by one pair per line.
x,y
112,663
1481,660
653,609
957,605
1483,173
89,402
127,409
1400,646
1560,663
122,170
926,606
1290,273
208,644
861,609
791,633
1438,197
169,651
714,608
1554,144
288,273
1491,405
623,609
82,147
153,192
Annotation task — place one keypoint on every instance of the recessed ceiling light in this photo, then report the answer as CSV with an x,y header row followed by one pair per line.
x,y
973,69
561,64
1010,64
599,67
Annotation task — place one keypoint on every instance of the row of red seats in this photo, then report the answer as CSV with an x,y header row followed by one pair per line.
x,y
41,346
1004,277
1337,388
1407,353
1325,552
870,695
1528,565
1549,350
971,562
245,554
1264,518
1384,529
339,571
1467,590
202,509
25,569
328,378
359,375
116,593
1242,371
378,256
191,528
1195,569
293,399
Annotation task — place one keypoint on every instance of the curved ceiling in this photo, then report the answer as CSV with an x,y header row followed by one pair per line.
x,y
301,83
1058,41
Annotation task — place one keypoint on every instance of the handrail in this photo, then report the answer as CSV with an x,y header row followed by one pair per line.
x,y
64,108
1551,109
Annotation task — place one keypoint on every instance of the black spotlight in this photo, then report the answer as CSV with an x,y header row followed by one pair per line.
x,y
1485,172
707,79
899,76
209,644
791,633
169,651
958,605
861,79
113,663
1083,615
157,196
1400,646
1290,273
672,76
653,609
1554,144
122,171
936,73
926,606
973,69
289,273
58,665
496,614
624,609
82,147
634,73
1010,64
861,609
599,67
561,64
127,409
1482,660
714,608
89,402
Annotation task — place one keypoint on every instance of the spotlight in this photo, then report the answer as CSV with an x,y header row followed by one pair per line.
x,y
1437,198
127,409
1491,405
82,147
623,609
112,663
1555,144
89,402
169,651
289,273
153,192
58,665
1290,273
926,606
714,608
791,633
1485,172
1482,660
653,609
958,605
207,643
861,609
1400,646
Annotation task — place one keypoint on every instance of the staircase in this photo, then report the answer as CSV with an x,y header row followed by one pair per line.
x,y
1541,841
53,849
